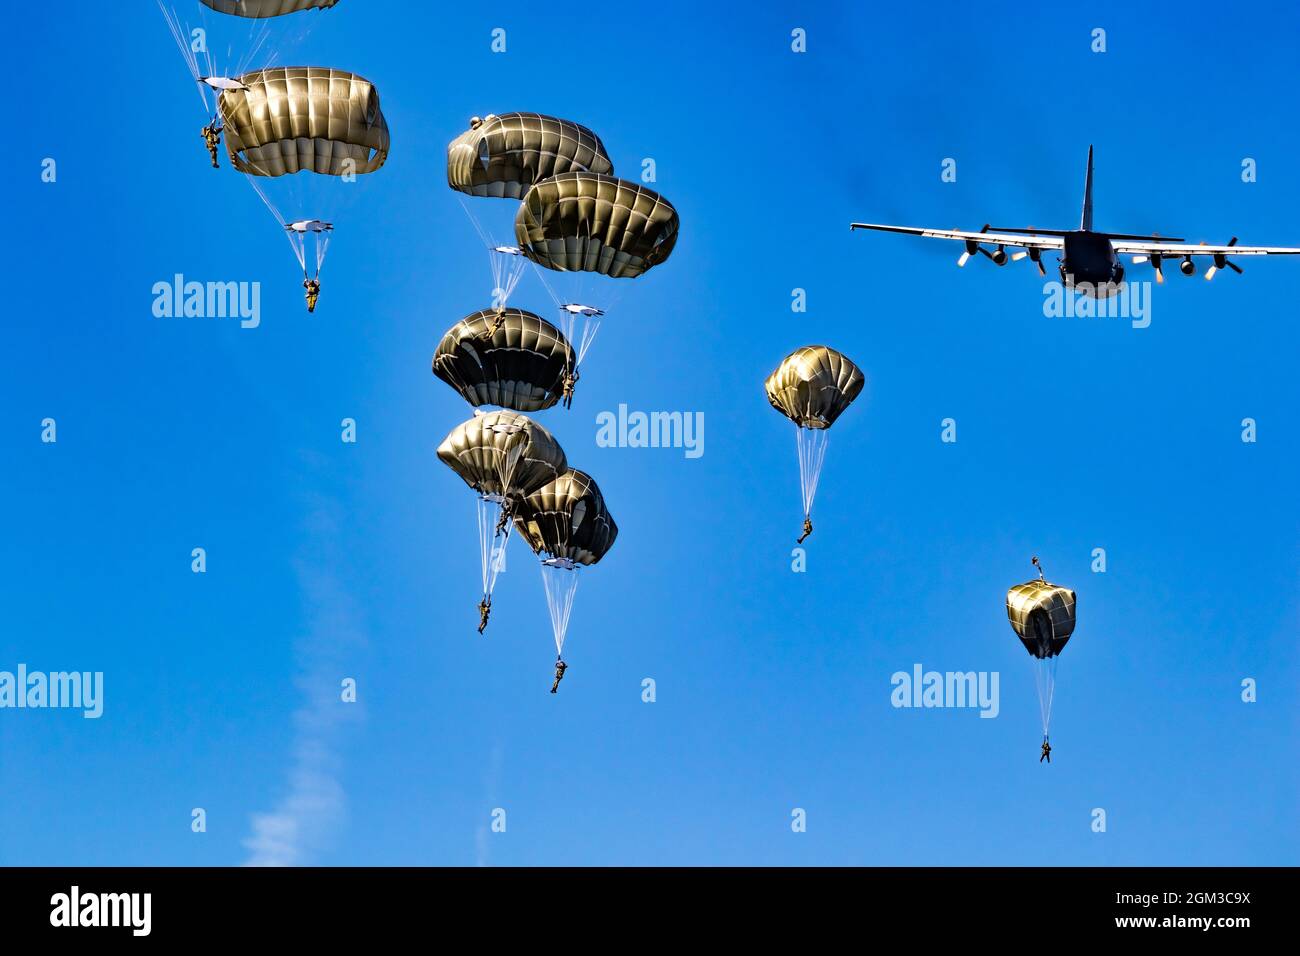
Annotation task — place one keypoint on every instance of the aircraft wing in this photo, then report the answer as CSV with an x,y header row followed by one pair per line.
x,y
1180,249
1024,240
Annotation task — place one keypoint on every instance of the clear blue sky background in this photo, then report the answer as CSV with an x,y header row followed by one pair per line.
x,y
328,560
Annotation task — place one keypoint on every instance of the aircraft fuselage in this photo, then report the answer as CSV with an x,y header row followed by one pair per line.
x,y
1090,264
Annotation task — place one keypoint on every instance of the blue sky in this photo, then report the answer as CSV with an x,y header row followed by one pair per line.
x,y
329,560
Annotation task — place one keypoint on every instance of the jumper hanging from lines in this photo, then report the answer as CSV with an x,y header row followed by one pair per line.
x,y
812,387
1043,615
493,515
812,456
501,456
569,528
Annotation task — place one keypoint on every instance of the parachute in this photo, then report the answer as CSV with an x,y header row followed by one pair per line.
x,y
282,120
296,118
592,222
260,9
584,229
226,26
567,525
510,358
812,387
288,120
1043,616
575,216
207,74
502,156
502,456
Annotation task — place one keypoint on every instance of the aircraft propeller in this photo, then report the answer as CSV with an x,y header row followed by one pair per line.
x,y
973,247
1157,261
1035,256
1221,261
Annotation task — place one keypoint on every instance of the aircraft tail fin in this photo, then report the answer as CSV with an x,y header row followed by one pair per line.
x,y
1086,224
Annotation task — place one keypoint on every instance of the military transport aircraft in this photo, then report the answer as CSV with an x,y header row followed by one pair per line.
x,y
1090,260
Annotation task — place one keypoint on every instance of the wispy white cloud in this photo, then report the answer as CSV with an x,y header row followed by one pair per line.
x,y
315,803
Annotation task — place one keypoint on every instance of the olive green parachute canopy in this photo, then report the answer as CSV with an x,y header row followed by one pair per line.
x,y
813,385
296,118
502,156
589,222
503,453
1042,616
511,358
567,518
259,9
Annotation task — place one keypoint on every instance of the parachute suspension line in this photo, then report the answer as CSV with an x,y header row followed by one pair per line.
x,y
569,320
257,186
578,281
299,244
179,33
322,244
506,269
549,289
812,455
510,461
505,466
589,329
1045,681
561,585
584,340
491,554
251,43
594,288
297,241
210,69
591,323
259,33
473,220
211,63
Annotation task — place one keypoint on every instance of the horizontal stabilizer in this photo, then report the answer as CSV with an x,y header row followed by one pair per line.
x,y
1031,231
1151,238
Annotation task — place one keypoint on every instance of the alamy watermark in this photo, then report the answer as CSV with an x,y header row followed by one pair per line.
x,y
76,690
922,688
178,298
626,429
1105,300
76,908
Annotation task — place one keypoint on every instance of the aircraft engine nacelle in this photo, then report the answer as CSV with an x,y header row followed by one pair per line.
x,y
999,256
1187,267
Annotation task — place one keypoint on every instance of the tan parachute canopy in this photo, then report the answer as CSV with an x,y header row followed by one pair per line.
x,y
259,9
502,156
296,118
511,358
588,222
567,518
503,453
813,385
1042,615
